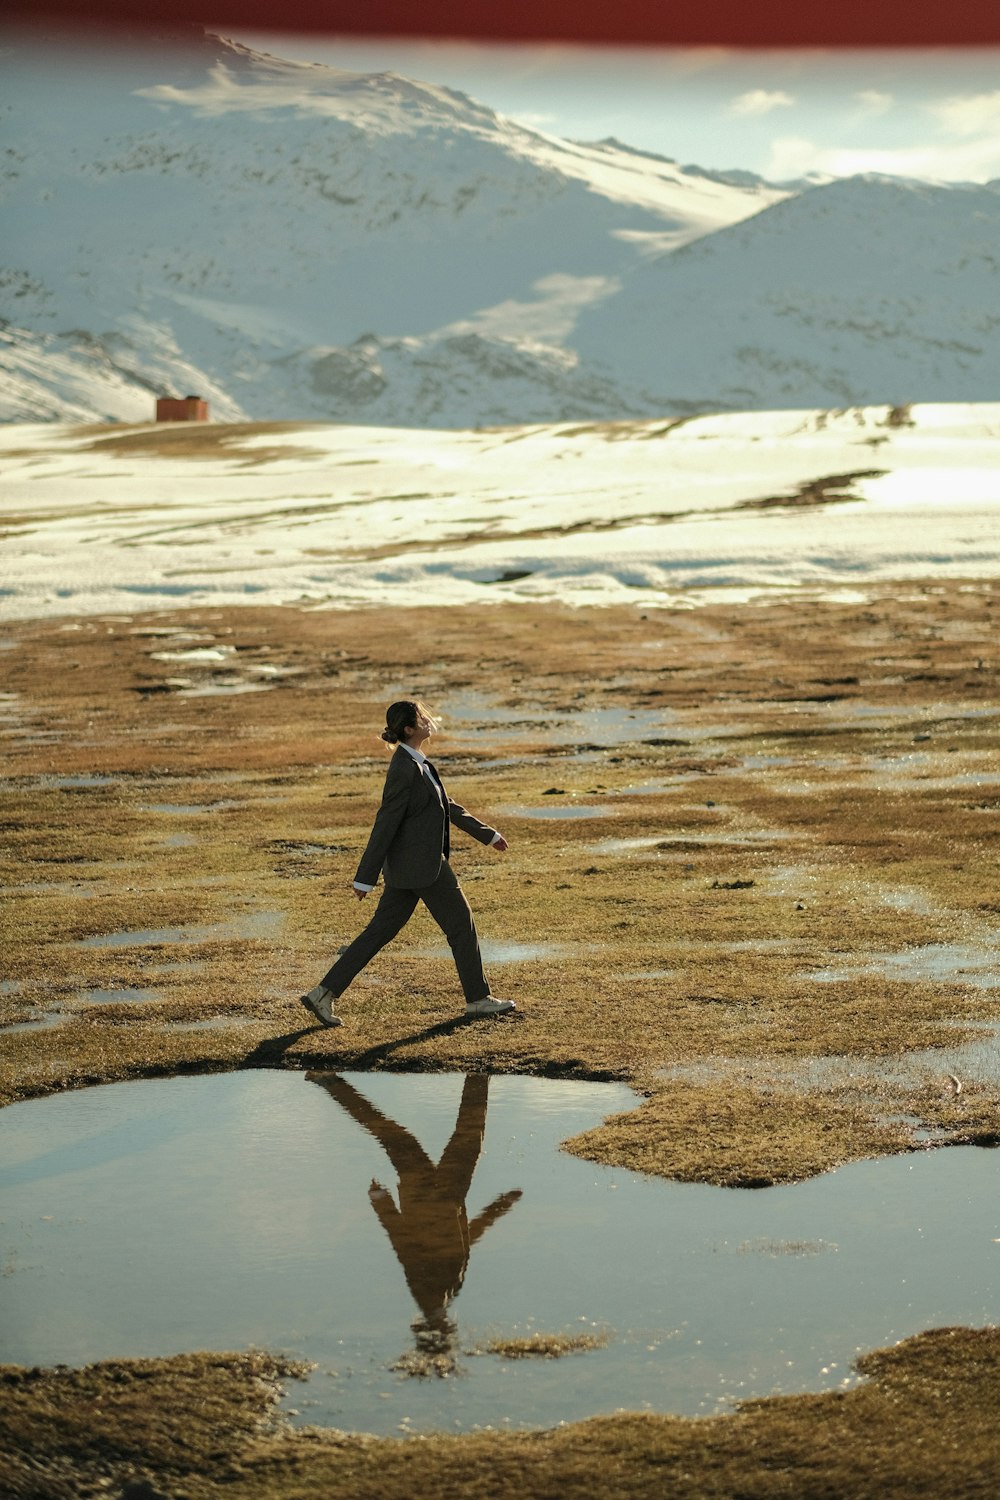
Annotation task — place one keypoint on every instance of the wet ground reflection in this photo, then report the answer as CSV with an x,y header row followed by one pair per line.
x,y
430,1229
385,1226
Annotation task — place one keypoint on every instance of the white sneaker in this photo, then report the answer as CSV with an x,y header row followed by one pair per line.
x,y
321,1002
489,1007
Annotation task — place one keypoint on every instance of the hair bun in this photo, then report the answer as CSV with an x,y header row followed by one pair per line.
x,y
390,739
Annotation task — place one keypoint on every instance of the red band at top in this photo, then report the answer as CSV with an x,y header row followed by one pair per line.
x,y
738,23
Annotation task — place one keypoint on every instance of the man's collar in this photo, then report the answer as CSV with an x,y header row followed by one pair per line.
x,y
418,755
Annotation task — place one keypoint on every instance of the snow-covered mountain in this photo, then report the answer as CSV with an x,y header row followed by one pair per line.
x,y
862,290
224,221
295,241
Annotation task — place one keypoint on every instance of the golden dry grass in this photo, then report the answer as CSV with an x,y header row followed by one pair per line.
x,y
212,440
802,798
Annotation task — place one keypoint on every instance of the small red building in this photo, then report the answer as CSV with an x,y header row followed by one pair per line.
x,y
181,409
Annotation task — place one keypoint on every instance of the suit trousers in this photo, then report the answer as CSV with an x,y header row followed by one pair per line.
x,y
447,905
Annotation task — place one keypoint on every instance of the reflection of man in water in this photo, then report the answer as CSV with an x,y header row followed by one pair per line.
x,y
430,1230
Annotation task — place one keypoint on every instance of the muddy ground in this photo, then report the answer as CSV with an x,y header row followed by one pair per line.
x,y
753,868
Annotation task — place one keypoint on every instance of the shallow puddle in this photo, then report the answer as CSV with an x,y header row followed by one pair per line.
x,y
222,689
745,838
118,997
918,772
256,924
211,1023
499,951
654,788
209,654
378,1224
74,783
975,1060
193,809
770,762
927,718
903,900
187,809
272,670
562,810
939,963
55,887
169,632
470,714
42,1021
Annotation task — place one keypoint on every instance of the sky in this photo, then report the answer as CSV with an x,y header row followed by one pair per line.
x,y
920,113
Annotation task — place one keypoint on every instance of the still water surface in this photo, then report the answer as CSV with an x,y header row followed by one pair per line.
x,y
359,1220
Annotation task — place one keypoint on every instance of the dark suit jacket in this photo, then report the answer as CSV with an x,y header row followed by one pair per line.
x,y
411,833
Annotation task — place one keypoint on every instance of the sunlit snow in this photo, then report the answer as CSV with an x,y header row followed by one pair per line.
x,y
125,518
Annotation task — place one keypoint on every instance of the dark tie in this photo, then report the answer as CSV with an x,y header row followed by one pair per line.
x,y
446,836
437,782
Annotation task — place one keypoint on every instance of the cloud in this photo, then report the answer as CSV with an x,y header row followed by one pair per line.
x,y
969,114
760,102
792,156
874,102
